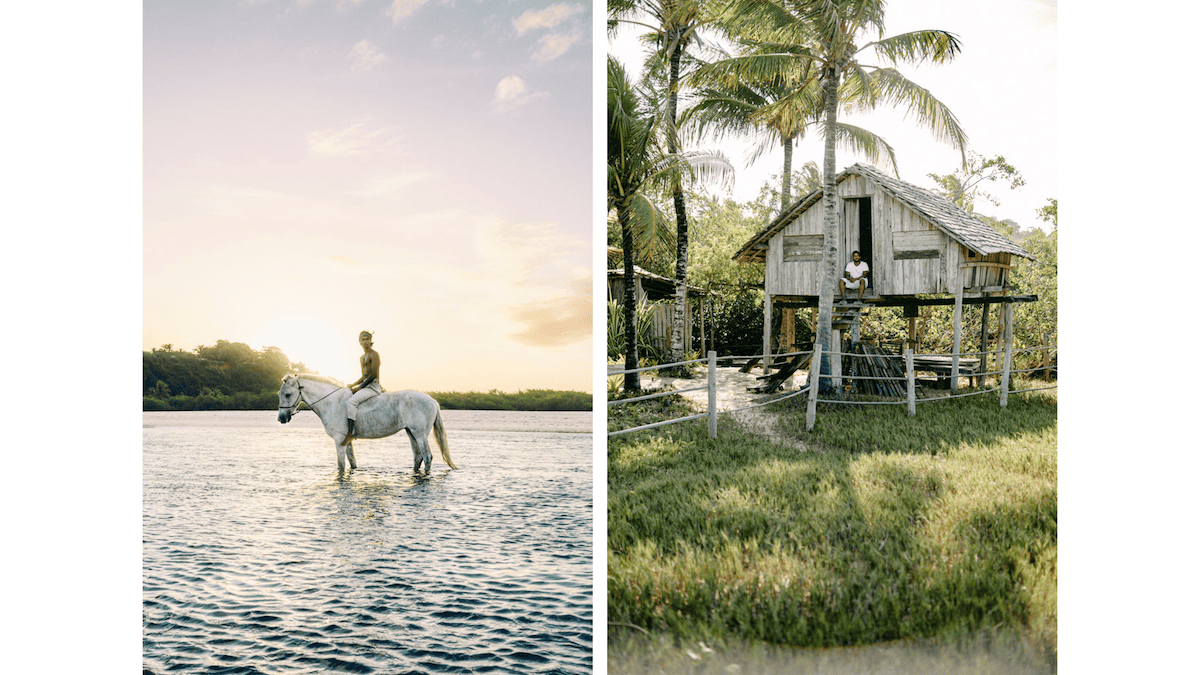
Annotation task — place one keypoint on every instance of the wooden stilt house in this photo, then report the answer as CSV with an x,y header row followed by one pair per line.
x,y
914,241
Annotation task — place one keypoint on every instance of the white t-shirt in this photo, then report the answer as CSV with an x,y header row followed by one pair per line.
x,y
856,270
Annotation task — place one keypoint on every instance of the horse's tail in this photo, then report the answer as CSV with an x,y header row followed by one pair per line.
x,y
439,431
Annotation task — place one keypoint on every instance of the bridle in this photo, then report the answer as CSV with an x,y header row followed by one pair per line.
x,y
300,398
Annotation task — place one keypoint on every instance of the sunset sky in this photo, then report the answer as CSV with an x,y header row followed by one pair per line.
x,y
418,168
1003,87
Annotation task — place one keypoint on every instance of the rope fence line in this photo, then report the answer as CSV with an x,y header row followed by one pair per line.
x,y
760,404
814,375
647,397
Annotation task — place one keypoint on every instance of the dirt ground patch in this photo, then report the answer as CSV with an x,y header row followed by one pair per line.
x,y
732,396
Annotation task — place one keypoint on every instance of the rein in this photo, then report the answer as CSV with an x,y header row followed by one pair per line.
x,y
300,399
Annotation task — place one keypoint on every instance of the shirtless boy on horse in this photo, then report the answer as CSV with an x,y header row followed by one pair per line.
x,y
367,385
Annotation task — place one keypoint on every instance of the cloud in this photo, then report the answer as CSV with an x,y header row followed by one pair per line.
x,y
524,254
402,9
546,18
357,139
511,93
556,322
393,182
554,45
364,56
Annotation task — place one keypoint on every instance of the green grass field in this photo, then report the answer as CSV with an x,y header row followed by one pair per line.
x,y
941,526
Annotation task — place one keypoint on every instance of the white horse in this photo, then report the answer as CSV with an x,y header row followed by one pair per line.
x,y
378,417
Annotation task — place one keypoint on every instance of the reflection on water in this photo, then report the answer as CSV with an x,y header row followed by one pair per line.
x,y
259,556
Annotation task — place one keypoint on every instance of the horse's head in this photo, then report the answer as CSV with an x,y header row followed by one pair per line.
x,y
289,398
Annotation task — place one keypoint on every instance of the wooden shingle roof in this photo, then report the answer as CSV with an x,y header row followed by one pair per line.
x,y
958,224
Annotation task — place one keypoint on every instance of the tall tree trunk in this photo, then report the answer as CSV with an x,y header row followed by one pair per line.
x,y
829,204
785,194
681,225
629,310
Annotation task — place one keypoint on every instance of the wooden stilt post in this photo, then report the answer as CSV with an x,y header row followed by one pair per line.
x,y
910,313
912,382
788,330
814,386
983,343
958,298
1008,339
767,334
835,361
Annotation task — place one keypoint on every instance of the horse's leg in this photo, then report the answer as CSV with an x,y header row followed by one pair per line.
x,y
421,453
350,455
426,454
341,455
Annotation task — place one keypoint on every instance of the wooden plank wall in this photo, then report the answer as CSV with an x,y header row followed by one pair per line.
x,y
918,261
993,272
798,274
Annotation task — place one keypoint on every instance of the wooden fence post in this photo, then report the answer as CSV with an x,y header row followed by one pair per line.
x,y
1008,340
958,302
814,386
712,394
767,335
911,374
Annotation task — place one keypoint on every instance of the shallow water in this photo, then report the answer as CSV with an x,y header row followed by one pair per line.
x,y
259,557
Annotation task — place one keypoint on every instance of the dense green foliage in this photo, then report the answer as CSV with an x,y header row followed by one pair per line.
x,y
227,376
650,352
532,399
232,376
888,527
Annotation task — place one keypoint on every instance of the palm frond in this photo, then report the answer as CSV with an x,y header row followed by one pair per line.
x,y
868,144
893,88
653,233
795,67
917,47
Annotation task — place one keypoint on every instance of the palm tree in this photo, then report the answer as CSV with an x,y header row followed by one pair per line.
x,y
637,161
728,107
819,41
673,25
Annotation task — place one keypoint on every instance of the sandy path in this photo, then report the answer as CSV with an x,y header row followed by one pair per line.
x,y
732,395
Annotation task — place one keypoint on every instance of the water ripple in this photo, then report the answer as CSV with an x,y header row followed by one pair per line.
x,y
258,558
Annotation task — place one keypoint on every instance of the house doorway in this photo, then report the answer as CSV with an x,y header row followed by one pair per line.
x,y
857,216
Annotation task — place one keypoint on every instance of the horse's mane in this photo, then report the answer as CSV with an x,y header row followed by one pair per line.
x,y
318,378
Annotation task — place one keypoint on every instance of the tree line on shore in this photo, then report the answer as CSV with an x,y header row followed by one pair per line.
x,y
233,376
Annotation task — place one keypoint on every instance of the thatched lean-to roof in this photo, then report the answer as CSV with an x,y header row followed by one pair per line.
x,y
943,214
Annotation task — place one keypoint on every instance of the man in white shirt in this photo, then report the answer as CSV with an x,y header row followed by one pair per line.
x,y
855,276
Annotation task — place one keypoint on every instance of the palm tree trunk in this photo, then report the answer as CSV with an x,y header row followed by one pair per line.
x,y
829,204
681,224
785,195
632,382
